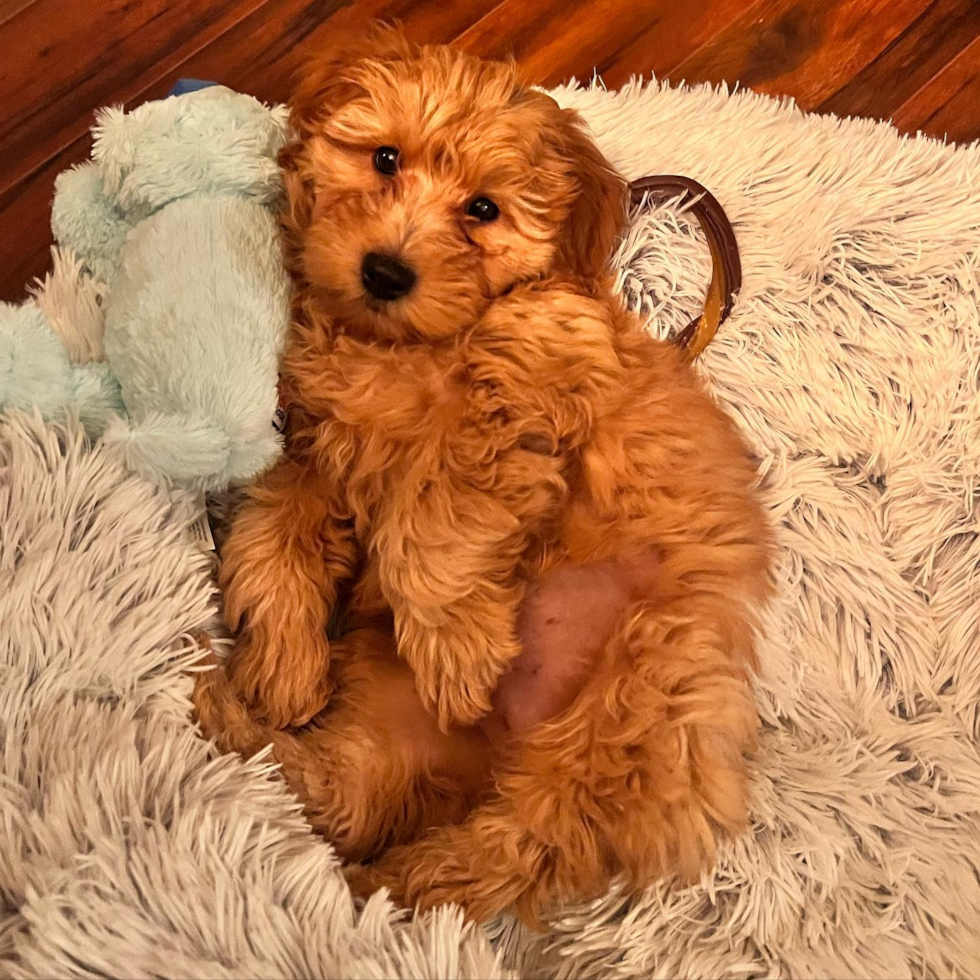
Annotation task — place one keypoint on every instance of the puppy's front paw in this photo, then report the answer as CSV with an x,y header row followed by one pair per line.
x,y
459,673
284,679
459,704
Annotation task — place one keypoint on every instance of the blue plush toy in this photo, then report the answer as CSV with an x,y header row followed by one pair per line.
x,y
36,372
174,215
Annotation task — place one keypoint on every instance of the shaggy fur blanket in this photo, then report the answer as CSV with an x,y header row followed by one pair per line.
x,y
127,848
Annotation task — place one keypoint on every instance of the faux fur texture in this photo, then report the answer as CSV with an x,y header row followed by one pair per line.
x,y
127,849
72,301
852,364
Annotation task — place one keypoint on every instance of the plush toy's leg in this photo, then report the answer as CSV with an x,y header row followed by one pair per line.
x,y
188,448
638,775
373,769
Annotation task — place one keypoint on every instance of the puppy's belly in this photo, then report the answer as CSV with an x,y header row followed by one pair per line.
x,y
567,617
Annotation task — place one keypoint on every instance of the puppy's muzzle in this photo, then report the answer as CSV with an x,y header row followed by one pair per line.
x,y
385,278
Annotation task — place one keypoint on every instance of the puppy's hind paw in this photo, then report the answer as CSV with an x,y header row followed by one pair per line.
x,y
282,691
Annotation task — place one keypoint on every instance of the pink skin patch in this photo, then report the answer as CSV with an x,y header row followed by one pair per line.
x,y
567,617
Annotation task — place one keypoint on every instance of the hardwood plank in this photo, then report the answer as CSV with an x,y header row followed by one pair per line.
x,y
675,33
10,8
63,60
922,50
25,223
258,56
799,47
554,40
261,54
948,105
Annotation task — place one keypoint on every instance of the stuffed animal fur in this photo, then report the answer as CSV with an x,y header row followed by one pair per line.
x,y
174,217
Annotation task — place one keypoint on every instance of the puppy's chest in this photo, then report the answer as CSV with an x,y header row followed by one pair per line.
x,y
477,419
392,409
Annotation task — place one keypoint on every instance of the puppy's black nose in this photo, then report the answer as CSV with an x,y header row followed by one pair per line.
x,y
385,277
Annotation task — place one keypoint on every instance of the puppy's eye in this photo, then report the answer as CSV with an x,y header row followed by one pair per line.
x,y
483,209
386,160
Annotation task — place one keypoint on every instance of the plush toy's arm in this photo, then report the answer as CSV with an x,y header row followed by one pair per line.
x,y
35,373
85,220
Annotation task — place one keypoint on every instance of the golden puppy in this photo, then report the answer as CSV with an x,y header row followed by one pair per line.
x,y
541,529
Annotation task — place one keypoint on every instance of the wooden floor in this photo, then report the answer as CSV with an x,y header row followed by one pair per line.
x,y
914,61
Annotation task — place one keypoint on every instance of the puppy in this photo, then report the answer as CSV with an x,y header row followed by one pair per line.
x,y
481,441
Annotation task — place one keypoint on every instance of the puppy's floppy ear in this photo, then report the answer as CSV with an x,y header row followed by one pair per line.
x,y
599,209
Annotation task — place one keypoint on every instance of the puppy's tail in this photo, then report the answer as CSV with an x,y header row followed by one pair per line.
x,y
222,717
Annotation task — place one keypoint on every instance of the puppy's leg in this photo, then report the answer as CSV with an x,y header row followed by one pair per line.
x,y
371,771
637,776
446,560
289,547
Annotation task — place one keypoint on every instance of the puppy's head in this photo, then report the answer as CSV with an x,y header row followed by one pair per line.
x,y
423,183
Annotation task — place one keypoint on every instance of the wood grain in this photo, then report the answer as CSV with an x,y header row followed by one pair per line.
x,y
947,106
261,54
10,8
554,40
25,222
801,48
939,33
52,82
676,32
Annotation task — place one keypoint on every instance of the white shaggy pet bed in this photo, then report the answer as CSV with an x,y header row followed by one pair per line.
x,y
853,365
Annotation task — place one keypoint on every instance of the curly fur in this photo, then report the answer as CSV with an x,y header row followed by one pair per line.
x,y
450,453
